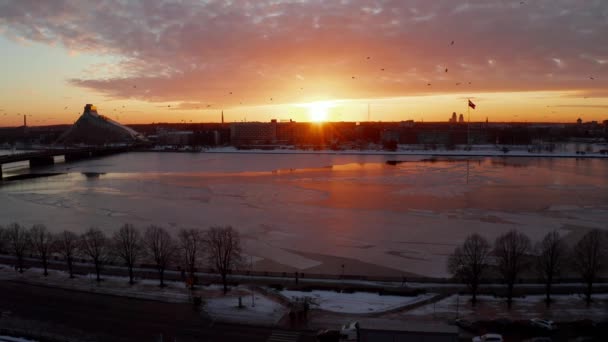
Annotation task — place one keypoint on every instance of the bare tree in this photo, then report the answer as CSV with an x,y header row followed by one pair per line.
x,y
551,255
190,243
510,250
128,245
19,241
470,261
67,245
95,245
161,247
42,243
588,255
224,248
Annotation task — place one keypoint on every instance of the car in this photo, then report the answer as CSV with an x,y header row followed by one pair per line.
x,y
488,338
543,323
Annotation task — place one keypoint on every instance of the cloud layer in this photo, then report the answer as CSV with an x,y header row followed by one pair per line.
x,y
263,52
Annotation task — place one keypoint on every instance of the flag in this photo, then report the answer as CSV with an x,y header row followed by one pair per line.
x,y
471,104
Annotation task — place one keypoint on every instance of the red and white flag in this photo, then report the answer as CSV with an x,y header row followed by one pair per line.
x,y
471,104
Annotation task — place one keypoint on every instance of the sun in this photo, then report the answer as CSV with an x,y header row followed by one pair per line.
x,y
318,111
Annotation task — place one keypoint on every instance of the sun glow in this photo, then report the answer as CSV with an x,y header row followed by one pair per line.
x,y
318,111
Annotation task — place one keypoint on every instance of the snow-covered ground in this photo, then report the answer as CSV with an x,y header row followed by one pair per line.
x,y
358,302
219,306
14,339
260,310
568,150
563,308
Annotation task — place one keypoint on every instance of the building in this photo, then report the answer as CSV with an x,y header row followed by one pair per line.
x,y
453,119
175,138
253,133
92,128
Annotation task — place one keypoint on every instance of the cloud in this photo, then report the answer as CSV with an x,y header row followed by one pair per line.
x,y
200,51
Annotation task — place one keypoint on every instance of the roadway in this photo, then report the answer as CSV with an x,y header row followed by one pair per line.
x,y
79,316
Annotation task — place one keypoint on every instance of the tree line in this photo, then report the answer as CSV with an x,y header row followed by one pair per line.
x,y
129,245
513,254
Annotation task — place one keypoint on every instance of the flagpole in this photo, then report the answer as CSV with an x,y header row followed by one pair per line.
x,y
468,122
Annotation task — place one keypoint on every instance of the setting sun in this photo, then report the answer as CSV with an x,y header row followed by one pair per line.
x,y
318,111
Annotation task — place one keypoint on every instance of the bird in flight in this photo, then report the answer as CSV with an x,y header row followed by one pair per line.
x,y
446,69
428,84
382,69
353,77
452,43
591,77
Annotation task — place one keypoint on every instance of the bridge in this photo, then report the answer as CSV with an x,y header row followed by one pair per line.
x,y
47,157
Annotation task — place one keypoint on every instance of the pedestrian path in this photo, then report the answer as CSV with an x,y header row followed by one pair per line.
x,y
284,336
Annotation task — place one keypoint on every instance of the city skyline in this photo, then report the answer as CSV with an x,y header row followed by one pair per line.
x,y
144,62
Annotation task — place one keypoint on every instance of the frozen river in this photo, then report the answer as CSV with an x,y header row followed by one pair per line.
x,y
315,213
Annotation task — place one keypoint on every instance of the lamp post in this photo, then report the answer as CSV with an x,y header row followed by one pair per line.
x,y
251,272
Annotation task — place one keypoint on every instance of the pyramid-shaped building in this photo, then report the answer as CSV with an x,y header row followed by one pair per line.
x,y
93,128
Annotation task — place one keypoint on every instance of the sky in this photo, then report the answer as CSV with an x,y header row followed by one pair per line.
x,y
341,60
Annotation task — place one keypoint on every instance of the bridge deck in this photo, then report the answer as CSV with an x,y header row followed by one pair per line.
x,y
13,158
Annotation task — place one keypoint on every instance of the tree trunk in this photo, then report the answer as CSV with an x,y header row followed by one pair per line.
x,y
509,295
20,263
97,271
225,283
548,293
45,265
589,290
161,275
131,274
474,293
70,268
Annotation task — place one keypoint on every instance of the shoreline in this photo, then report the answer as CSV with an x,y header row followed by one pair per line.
x,y
434,153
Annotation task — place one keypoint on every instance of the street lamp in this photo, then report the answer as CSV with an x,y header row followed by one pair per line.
x,y
251,273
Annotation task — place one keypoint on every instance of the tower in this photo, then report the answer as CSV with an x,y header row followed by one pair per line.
x,y
222,117
24,120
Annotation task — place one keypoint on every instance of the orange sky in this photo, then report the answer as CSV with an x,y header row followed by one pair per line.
x,y
182,61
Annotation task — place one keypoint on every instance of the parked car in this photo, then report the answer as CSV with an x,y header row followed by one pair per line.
x,y
542,323
488,338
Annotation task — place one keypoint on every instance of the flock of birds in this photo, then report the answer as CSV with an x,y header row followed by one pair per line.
x,y
368,58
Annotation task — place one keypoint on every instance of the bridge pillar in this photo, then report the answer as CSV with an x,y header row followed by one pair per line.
x,y
41,161
73,156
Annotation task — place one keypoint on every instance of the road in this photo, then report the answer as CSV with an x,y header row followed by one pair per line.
x,y
95,317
